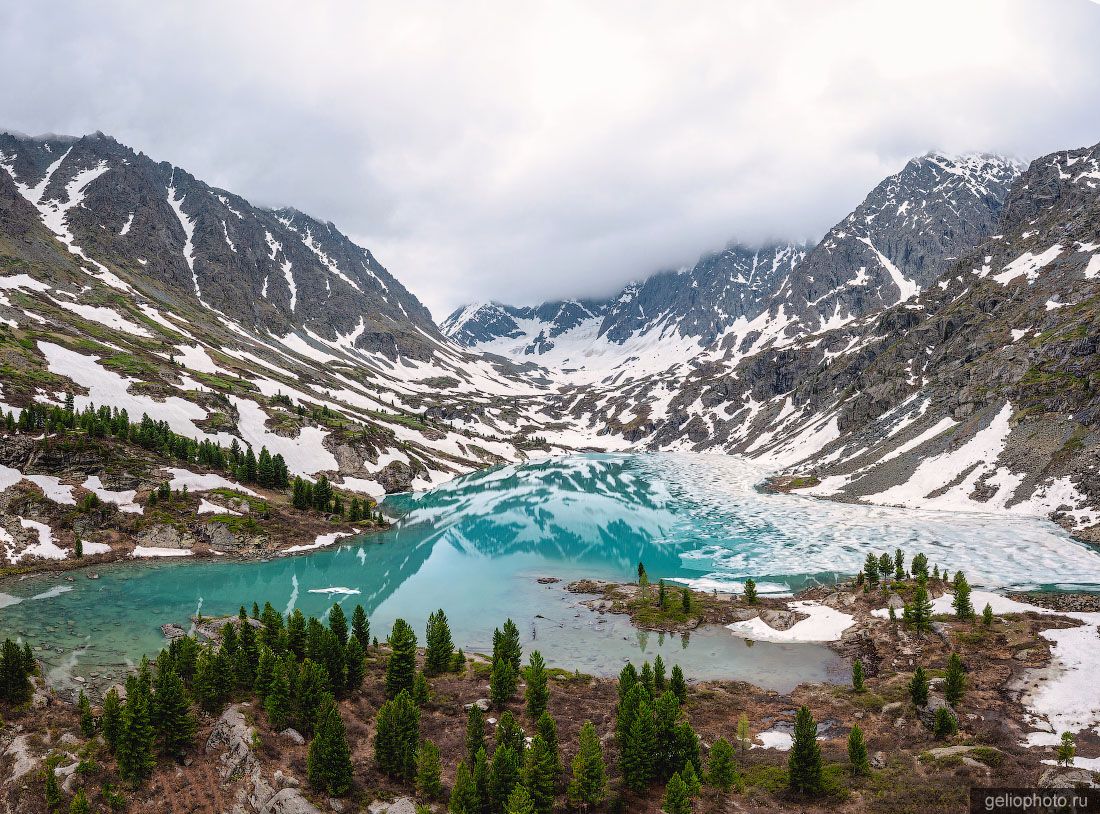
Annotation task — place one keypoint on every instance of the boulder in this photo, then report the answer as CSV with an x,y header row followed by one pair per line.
x,y
396,476
1064,777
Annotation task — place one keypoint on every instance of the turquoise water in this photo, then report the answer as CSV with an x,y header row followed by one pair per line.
x,y
476,547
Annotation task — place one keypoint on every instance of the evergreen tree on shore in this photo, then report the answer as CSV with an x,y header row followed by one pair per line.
x,y
429,784
857,751
475,732
440,646
537,693
328,764
134,749
589,782
918,687
175,725
954,680
401,666
360,627
804,763
397,736
961,602
722,771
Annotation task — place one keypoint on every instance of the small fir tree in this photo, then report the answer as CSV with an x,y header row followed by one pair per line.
x,y
918,687
804,763
1067,750
429,783
857,676
944,724
401,665
954,680
721,770
589,782
677,800
750,591
537,693
328,763
857,752
961,603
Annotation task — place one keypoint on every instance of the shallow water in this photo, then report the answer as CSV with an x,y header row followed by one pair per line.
x,y
477,545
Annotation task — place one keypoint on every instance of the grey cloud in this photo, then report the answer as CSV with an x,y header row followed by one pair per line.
x,y
529,151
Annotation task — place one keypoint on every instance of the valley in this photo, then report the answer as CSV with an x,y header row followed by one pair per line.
x,y
207,403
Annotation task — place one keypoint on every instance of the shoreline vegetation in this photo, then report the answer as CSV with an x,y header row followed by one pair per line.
x,y
289,715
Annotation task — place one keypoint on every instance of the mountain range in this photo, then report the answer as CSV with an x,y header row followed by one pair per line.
x,y
938,346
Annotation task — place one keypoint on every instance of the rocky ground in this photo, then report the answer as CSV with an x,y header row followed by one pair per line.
x,y
240,764
207,513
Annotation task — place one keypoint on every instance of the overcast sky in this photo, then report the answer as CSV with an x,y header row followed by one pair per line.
x,y
523,151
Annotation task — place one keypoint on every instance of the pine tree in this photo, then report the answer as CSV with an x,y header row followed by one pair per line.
x,y
328,764
520,802
677,799
87,720
961,603
547,729
627,712
277,702
212,679
475,731
78,550
691,780
265,670
15,683
540,774
685,600
918,687
338,624
322,494
502,682
918,613
944,724
666,715
628,677
804,763
870,570
397,735
296,633
637,759
885,566
172,713
743,733
537,693
510,732
504,775
920,566
589,782
52,790
1067,750
678,685
750,591
857,676
134,750
356,668
506,645
464,796
899,565
721,771
481,779
954,681
79,805
660,680
265,469
110,721
662,595
857,751
440,647
646,679
401,666
421,694
360,627
429,783
310,688
987,615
